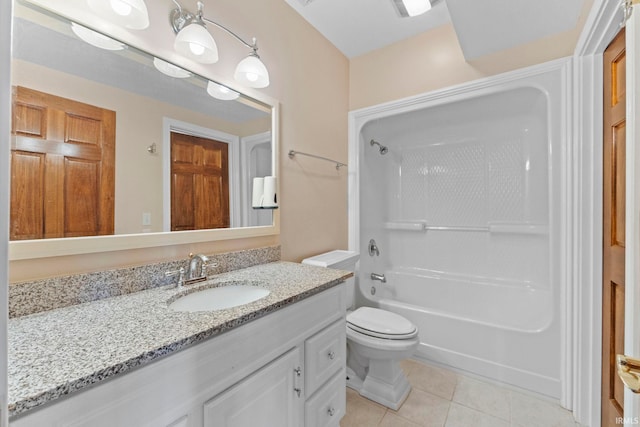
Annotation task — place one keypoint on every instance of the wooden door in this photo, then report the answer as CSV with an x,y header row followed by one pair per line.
x,y
199,183
613,290
62,167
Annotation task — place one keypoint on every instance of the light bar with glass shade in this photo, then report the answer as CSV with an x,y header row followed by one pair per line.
x,y
195,42
169,69
95,39
409,8
128,13
221,92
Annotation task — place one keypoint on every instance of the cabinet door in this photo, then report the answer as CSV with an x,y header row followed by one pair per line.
x,y
266,398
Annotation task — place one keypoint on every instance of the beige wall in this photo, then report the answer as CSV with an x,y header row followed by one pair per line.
x,y
309,79
434,60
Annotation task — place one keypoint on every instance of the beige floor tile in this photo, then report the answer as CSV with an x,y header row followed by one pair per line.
x,y
407,365
483,397
527,411
392,420
461,416
361,412
433,379
424,409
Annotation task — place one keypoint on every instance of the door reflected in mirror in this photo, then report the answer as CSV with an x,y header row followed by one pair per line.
x,y
144,184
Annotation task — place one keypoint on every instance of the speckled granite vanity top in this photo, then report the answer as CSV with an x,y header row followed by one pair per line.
x,y
54,353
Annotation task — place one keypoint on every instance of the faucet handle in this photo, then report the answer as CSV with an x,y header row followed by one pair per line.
x,y
180,273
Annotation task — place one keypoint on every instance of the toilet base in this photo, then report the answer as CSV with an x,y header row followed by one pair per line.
x,y
385,383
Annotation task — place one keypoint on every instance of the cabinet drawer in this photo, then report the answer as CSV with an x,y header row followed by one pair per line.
x,y
324,355
327,406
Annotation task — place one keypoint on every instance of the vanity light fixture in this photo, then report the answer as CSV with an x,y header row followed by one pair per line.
x,y
170,70
195,42
95,39
221,92
128,13
409,8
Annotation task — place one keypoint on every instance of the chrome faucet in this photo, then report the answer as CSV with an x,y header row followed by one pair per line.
x,y
197,268
373,248
380,277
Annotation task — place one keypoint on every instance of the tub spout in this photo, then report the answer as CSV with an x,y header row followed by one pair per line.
x,y
380,277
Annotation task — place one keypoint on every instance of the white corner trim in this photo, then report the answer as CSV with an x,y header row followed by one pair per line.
x,y
602,25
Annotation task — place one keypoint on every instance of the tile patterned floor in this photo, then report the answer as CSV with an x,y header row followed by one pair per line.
x,y
441,398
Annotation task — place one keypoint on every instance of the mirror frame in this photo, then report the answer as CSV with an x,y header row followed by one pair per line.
x,y
33,249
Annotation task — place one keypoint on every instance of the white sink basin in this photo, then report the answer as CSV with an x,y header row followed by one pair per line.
x,y
219,298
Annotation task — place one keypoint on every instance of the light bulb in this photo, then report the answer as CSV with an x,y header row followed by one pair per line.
x,y
121,8
416,7
196,49
252,77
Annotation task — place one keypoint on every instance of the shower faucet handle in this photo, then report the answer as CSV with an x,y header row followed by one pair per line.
x,y
373,248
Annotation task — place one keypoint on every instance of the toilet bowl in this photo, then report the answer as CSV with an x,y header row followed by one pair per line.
x,y
377,340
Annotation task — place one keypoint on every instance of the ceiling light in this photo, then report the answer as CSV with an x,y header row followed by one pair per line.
x,y
409,8
195,42
169,69
95,39
221,92
129,13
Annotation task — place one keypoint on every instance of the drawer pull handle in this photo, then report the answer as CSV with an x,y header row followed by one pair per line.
x,y
331,411
296,379
331,355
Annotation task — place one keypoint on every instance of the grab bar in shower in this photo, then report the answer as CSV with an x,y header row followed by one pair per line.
x,y
293,153
497,228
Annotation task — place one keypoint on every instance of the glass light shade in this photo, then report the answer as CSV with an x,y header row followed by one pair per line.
x,y
416,7
252,72
195,42
221,92
169,69
95,39
128,13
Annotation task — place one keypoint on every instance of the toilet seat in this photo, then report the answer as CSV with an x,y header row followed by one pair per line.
x,y
381,324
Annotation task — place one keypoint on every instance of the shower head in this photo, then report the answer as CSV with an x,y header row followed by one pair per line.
x,y
383,149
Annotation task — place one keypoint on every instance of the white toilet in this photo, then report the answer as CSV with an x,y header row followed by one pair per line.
x,y
377,340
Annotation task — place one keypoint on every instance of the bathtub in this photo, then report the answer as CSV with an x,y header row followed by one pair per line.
x,y
466,208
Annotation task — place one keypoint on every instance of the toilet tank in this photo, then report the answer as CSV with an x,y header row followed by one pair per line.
x,y
339,260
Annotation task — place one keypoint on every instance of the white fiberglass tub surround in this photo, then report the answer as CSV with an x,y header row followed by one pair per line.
x,y
465,209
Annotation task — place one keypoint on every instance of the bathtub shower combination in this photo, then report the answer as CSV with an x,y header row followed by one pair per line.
x,y
458,225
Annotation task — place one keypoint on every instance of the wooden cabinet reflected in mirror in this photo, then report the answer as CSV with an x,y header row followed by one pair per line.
x,y
62,167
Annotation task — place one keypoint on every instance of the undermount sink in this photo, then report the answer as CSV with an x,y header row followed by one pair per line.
x,y
219,298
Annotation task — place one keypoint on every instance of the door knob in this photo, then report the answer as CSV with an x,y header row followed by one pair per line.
x,y
629,372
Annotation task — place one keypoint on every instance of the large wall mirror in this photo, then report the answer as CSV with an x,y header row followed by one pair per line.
x,y
178,152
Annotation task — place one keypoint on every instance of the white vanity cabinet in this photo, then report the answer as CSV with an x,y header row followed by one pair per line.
x,y
284,369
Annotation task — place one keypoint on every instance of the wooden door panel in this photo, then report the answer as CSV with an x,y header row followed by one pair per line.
x,y
77,141
618,183
29,120
182,201
81,201
616,344
613,250
27,183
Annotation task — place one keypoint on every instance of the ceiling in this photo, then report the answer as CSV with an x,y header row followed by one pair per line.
x,y
482,26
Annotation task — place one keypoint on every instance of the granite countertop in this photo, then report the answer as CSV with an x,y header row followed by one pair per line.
x,y
58,352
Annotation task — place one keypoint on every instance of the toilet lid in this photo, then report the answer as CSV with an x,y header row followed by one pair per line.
x,y
380,323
